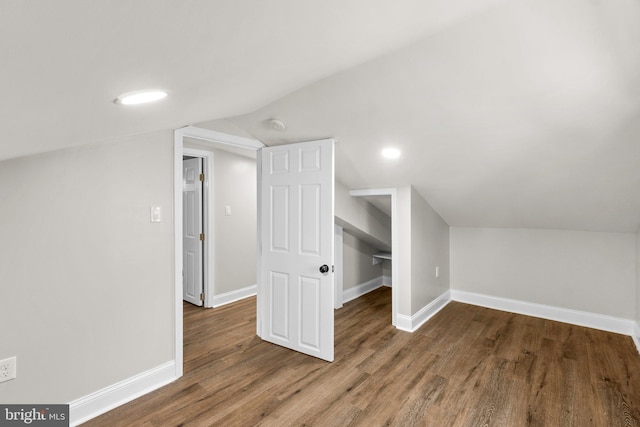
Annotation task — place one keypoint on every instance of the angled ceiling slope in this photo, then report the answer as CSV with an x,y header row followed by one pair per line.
x,y
508,113
64,62
525,115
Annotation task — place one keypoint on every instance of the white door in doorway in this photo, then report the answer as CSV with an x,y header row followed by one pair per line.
x,y
192,240
295,292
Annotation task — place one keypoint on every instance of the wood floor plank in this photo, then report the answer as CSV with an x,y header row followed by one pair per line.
x,y
423,395
467,366
616,382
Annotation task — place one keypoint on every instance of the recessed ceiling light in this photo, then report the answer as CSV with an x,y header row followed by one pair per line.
x,y
140,97
391,153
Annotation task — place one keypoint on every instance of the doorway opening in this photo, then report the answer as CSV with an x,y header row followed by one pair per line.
x,y
385,199
206,137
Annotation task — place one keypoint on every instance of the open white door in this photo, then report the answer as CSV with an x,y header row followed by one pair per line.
x,y
295,292
192,231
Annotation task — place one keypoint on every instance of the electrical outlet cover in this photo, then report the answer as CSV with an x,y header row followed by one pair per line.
x,y
7,369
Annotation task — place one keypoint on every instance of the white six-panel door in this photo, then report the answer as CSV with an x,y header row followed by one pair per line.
x,y
296,223
192,279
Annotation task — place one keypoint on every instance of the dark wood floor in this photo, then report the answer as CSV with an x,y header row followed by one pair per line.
x,y
467,366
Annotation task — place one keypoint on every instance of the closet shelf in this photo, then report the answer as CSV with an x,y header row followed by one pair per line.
x,y
379,257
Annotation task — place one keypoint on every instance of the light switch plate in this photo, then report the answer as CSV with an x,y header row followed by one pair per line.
x,y
156,214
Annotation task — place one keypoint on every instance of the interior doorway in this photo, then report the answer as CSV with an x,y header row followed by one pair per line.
x,y
386,200
206,136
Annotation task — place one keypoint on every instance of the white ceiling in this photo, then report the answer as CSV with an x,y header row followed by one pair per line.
x,y
509,113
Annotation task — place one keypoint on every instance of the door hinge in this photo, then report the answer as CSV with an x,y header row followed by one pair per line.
x,y
201,297
201,177
202,237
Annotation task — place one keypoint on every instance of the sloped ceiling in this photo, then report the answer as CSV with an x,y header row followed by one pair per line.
x,y
65,61
526,115
508,113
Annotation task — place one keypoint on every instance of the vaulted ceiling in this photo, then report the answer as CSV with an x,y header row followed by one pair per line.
x,y
508,113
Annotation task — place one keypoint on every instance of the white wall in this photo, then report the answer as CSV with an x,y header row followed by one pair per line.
x,y
403,258
586,271
87,279
423,244
235,185
429,248
235,235
361,218
357,258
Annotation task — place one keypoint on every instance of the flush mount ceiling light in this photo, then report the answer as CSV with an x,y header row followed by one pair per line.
x,y
140,97
276,124
391,153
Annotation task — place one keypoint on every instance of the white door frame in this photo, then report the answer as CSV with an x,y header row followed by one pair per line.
x,y
178,152
395,248
339,270
207,226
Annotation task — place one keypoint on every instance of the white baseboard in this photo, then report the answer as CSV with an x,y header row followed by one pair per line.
x,y
361,289
386,281
233,296
566,315
412,323
636,336
101,401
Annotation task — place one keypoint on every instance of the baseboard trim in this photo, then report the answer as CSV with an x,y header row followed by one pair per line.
x,y
636,336
575,317
233,296
361,289
97,403
412,323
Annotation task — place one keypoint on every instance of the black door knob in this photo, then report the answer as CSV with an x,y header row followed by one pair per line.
x,y
324,269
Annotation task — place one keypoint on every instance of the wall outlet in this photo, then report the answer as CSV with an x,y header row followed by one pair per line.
x,y
438,271
7,369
